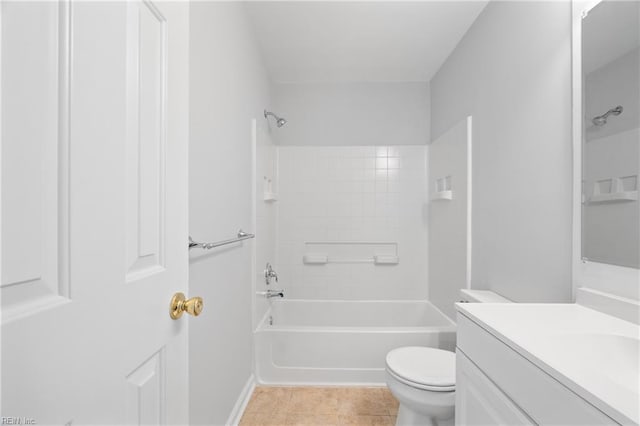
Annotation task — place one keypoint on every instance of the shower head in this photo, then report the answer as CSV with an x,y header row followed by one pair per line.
x,y
279,120
601,120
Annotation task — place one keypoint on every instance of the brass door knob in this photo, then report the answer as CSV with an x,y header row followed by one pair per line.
x,y
180,304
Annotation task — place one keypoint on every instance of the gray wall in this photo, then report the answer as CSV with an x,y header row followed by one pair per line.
x,y
448,227
229,87
512,73
347,114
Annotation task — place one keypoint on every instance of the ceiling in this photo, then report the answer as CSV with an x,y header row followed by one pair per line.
x,y
367,41
610,30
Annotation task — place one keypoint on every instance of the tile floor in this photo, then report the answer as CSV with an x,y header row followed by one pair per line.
x,y
325,406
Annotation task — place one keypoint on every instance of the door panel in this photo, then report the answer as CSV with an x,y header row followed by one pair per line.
x,y
146,79
145,392
34,166
94,211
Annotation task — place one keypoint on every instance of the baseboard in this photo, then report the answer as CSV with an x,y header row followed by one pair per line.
x,y
327,384
241,402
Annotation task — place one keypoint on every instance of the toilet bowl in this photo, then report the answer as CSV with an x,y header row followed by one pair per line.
x,y
423,381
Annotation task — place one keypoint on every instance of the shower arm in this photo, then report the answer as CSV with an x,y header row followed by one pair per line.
x,y
615,111
269,113
279,120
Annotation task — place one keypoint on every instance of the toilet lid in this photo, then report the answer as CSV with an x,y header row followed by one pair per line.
x,y
424,367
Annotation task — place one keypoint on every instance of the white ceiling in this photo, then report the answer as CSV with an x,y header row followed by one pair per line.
x,y
331,41
609,31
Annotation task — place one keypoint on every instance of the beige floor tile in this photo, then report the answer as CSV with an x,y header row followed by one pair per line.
x,y
313,401
390,402
362,401
258,403
312,419
322,406
274,391
355,420
268,400
263,419
248,419
360,392
276,419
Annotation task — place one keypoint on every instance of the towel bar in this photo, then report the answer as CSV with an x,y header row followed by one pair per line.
x,y
207,246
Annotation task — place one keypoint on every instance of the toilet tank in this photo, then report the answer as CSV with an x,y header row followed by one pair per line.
x,y
481,296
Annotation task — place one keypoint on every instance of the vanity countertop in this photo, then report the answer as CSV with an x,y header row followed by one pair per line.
x,y
593,354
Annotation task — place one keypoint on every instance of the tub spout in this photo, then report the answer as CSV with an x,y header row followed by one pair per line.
x,y
275,293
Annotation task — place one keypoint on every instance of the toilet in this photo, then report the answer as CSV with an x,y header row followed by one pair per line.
x,y
423,379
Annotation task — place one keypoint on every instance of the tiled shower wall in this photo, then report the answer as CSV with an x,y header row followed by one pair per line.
x,y
352,194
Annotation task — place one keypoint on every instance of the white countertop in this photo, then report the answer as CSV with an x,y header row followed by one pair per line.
x,y
593,354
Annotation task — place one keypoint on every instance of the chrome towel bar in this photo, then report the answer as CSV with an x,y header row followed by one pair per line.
x,y
241,236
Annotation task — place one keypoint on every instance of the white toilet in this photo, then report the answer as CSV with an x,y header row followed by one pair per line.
x,y
423,379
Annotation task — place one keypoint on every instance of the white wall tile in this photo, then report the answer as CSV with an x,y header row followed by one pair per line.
x,y
360,193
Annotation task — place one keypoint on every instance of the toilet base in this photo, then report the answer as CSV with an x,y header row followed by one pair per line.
x,y
420,407
407,417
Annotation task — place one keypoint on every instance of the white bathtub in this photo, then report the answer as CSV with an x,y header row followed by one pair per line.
x,y
342,342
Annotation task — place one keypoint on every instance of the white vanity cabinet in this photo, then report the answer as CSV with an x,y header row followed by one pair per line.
x,y
479,401
496,385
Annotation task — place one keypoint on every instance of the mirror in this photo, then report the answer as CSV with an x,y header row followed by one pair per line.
x,y
611,133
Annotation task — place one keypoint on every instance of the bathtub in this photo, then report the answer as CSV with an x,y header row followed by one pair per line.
x,y
342,342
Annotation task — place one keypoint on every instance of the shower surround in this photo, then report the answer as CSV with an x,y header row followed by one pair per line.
x,y
350,204
351,255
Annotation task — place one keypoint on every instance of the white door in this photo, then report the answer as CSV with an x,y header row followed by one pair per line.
x,y
94,211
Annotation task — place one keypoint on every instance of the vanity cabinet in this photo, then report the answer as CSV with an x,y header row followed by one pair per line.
x,y
479,401
496,385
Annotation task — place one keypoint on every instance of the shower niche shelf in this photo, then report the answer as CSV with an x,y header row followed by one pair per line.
x,y
443,195
615,190
614,196
443,189
268,194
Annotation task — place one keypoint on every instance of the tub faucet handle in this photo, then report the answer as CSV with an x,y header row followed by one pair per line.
x,y
269,273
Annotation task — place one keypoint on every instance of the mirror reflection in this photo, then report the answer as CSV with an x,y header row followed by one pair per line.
x,y
611,134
